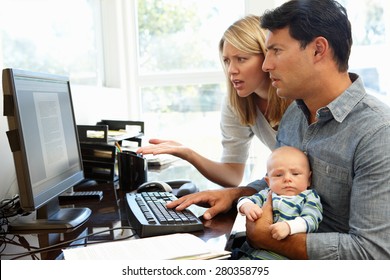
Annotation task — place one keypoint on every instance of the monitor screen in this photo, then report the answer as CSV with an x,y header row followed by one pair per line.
x,y
44,141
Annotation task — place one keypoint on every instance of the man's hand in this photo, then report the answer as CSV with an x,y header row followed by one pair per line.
x,y
258,232
259,236
219,201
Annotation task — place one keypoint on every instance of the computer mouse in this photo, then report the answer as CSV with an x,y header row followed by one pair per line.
x,y
86,183
177,183
187,188
154,186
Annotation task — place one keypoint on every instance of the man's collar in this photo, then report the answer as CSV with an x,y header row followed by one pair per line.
x,y
342,105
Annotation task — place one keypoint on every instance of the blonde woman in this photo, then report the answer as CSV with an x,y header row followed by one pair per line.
x,y
251,108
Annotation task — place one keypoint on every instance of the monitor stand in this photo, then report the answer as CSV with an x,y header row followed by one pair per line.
x,y
50,217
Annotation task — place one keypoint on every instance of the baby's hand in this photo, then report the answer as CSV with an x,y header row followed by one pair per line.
x,y
251,211
280,230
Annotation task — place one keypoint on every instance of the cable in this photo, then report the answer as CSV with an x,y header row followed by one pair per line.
x,y
11,241
10,206
67,244
26,245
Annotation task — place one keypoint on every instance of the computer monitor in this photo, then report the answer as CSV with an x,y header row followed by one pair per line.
x,y
44,142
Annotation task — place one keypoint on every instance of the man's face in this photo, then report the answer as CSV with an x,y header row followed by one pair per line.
x,y
290,67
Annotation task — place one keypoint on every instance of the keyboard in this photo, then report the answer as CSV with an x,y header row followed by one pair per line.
x,y
80,196
149,215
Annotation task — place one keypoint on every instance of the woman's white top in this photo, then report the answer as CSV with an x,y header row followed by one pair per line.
x,y
237,138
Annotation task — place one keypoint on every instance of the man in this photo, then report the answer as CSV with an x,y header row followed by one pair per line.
x,y
344,131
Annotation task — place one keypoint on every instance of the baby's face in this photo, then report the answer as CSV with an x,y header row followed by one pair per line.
x,y
288,174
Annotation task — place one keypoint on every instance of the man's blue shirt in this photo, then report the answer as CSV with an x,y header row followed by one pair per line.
x,y
349,152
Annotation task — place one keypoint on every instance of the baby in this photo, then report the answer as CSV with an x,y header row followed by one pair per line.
x,y
295,207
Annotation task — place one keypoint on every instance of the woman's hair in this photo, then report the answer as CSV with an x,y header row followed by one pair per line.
x,y
247,36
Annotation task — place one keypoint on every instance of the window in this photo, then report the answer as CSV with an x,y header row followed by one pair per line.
x,y
180,77
182,35
371,40
60,37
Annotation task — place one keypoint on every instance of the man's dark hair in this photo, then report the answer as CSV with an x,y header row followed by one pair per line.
x,y
308,19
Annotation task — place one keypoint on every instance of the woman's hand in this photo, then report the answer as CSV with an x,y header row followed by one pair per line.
x,y
160,146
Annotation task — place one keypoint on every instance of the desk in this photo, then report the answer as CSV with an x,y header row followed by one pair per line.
x,y
110,213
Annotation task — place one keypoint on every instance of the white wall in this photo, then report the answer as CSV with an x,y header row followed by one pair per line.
x,y
91,104
8,184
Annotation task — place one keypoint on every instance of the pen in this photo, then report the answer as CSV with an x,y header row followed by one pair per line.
x,y
118,147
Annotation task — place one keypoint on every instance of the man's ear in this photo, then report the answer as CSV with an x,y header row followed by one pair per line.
x,y
321,45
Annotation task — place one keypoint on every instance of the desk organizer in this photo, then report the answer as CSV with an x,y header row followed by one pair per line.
x,y
136,129
98,146
99,161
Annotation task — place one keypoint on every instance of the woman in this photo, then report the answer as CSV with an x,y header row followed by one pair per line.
x,y
251,108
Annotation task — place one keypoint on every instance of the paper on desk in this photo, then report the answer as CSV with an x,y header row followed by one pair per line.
x,y
165,247
239,225
160,160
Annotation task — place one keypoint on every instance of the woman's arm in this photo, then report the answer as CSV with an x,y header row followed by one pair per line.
x,y
224,174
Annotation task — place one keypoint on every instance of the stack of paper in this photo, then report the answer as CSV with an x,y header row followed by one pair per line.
x,y
165,247
160,160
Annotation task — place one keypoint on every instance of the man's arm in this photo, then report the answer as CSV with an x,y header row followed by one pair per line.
x,y
219,201
259,236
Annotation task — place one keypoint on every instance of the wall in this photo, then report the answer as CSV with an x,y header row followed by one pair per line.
x,y
92,104
8,185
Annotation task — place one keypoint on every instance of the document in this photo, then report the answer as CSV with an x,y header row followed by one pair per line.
x,y
177,246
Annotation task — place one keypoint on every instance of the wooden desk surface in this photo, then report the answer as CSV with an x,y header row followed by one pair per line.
x,y
110,213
